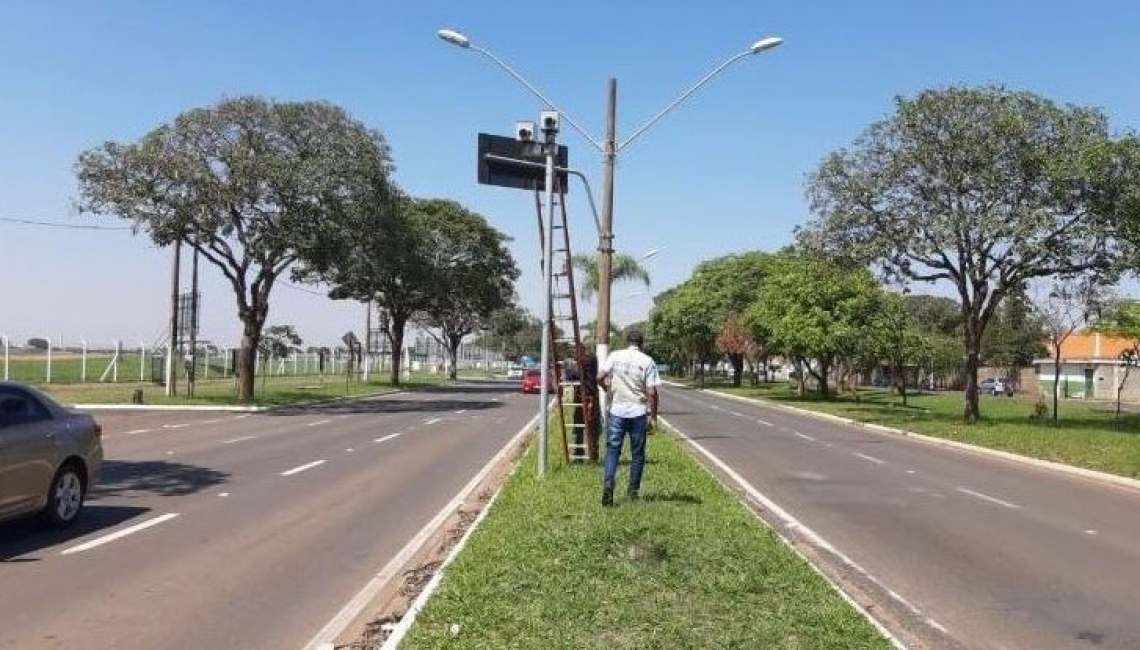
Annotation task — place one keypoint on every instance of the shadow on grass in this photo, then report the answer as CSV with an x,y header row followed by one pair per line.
x,y
26,536
671,497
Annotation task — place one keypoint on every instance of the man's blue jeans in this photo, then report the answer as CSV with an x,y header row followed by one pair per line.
x,y
616,428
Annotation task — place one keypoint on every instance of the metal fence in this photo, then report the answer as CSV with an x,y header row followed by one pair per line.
x,y
143,363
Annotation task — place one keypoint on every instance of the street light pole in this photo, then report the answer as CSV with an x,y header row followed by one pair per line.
x,y
605,234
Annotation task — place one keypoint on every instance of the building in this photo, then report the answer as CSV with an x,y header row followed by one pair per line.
x,y
1091,368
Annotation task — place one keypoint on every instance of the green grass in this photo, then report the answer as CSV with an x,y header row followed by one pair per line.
x,y
1087,436
687,567
274,391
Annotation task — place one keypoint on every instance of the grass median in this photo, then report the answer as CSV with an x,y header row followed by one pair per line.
x,y
1088,436
688,566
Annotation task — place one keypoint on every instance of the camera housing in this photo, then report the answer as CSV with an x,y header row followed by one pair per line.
x,y
524,131
549,121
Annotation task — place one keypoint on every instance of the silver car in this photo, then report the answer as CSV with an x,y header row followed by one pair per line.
x,y
49,456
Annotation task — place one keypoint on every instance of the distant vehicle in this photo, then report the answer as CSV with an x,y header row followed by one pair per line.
x,y
49,456
514,372
995,387
532,380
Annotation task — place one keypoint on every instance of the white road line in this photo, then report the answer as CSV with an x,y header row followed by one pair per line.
x,y
209,421
910,471
877,461
176,426
241,439
764,422
301,468
1090,532
99,541
136,432
432,421
223,494
318,423
792,523
350,450
804,436
986,497
461,411
387,437
738,414
242,417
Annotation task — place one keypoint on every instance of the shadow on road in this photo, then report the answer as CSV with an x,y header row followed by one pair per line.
x,y
388,405
25,536
122,478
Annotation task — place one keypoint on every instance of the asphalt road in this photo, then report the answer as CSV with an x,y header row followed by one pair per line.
x,y
245,531
950,548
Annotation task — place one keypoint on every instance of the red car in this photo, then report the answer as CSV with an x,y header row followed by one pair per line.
x,y
531,380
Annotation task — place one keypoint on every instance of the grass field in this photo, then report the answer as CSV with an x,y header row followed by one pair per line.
x,y
270,392
686,567
1088,435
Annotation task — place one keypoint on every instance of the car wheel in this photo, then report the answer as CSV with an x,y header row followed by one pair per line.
x,y
65,498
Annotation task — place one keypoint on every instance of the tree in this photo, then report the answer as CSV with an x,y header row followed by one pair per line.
x,y
934,314
733,341
471,270
984,188
1068,305
379,257
515,332
623,268
279,341
1121,319
253,185
679,323
37,343
816,312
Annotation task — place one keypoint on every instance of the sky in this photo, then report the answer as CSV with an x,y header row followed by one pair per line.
x,y
724,173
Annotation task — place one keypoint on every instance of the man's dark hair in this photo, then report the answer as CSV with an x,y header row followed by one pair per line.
x,y
635,337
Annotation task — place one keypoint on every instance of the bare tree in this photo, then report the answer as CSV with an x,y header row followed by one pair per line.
x,y
1064,309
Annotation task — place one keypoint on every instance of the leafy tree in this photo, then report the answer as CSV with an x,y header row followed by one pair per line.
x,y
471,271
515,332
734,342
679,323
623,268
934,314
815,312
984,188
253,185
279,341
1121,318
1014,338
1068,306
379,256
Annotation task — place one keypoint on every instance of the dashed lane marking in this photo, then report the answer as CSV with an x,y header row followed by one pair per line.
x,y
301,468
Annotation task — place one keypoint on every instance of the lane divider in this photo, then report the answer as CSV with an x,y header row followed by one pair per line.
x,y
301,468
130,530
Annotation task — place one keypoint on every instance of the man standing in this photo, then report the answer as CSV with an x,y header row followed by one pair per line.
x,y
630,376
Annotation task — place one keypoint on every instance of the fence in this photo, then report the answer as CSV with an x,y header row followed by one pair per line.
x,y
122,364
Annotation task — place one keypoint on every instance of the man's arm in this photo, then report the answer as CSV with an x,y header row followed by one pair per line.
x,y
653,407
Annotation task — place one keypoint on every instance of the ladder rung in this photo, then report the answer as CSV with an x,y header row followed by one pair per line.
x,y
576,426
572,404
575,445
571,383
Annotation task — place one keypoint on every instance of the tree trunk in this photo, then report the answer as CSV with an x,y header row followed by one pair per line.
x,y
972,412
252,322
396,339
453,343
737,361
1056,379
824,389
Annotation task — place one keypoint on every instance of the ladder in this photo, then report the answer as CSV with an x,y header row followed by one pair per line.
x,y
576,370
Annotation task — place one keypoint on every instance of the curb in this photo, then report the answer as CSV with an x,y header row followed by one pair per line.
x,y
228,408
1072,470
354,608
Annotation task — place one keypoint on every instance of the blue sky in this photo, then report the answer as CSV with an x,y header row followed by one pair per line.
x,y
724,173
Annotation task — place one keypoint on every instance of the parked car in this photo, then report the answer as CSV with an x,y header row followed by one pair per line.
x,y
514,372
49,456
995,387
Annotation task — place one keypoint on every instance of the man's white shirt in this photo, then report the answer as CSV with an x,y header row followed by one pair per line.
x,y
632,373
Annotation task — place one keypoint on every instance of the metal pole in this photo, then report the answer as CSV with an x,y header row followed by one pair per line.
x,y
547,324
118,354
142,361
192,377
172,344
605,236
367,339
5,357
49,360
83,361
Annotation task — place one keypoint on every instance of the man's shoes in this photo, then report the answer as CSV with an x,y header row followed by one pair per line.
x,y
633,495
607,497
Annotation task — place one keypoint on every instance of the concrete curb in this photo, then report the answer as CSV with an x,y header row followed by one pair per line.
x,y
227,408
1072,470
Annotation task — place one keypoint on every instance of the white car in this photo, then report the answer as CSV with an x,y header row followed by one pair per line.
x,y
514,372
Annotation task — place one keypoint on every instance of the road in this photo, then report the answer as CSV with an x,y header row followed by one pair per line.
x,y
955,549
245,531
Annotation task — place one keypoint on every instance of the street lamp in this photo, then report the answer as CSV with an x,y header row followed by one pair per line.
x,y
610,148
652,253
